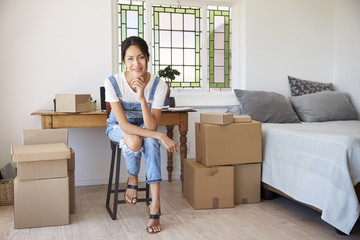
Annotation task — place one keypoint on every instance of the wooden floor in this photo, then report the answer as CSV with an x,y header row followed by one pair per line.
x,y
273,219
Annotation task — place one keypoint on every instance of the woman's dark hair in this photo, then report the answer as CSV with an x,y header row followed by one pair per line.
x,y
135,41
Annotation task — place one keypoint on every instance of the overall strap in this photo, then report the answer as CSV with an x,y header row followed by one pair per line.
x,y
115,86
153,89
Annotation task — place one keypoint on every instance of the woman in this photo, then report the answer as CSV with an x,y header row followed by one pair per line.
x,y
136,98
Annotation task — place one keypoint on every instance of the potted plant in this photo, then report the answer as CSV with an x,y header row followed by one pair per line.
x,y
169,74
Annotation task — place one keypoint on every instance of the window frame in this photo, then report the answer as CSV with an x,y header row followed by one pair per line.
x,y
204,43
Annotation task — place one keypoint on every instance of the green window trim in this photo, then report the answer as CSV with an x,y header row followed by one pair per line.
x,y
226,62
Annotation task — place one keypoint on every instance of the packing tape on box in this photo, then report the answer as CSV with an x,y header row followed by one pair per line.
x,y
215,202
214,170
244,200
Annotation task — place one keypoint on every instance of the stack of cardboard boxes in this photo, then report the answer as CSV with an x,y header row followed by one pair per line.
x,y
227,168
44,189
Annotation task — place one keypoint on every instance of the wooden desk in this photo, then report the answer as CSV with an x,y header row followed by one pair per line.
x,y
51,119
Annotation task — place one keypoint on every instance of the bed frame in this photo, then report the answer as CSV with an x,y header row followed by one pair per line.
x,y
268,193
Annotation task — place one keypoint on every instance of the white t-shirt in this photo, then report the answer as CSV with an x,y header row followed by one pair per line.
x,y
128,95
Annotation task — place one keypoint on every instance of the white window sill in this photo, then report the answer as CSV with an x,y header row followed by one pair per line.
x,y
203,99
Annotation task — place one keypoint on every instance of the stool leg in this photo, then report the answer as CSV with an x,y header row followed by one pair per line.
x,y
117,176
147,197
113,153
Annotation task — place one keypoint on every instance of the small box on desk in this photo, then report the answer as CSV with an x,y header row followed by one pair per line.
x,y
208,187
73,103
230,144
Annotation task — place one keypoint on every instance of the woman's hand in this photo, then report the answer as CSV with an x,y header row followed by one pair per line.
x,y
170,144
139,85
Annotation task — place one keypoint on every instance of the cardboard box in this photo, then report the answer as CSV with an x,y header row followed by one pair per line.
x,y
229,144
71,175
42,169
38,152
247,183
41,161
73,102
208,187
242,118
40,203
44,136
216,118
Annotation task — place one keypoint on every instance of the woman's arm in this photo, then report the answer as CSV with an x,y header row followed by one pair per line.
x,y
151,119
131,129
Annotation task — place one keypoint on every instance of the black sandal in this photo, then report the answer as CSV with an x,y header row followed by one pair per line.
x,y
133,199
150,229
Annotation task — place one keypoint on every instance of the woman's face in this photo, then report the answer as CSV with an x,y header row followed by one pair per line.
x,y
135,61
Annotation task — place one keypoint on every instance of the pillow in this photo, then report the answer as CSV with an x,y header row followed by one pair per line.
x,y
236,110
324,106
266,107
300,87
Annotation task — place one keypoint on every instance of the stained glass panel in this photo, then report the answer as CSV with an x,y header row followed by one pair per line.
x,y
219,48
184,25
131,22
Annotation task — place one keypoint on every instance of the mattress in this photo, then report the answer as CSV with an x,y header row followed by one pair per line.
x,y
317,164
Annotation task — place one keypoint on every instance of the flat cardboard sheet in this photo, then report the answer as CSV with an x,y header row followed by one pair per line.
x,y
242,118
44,136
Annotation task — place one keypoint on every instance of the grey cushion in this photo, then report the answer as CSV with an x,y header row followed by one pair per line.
x,y
236,110
324,106
300,87
267,107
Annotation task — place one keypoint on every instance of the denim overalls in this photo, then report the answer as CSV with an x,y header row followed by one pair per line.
x,y
150,146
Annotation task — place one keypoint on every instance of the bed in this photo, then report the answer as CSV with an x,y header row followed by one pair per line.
x,y
311,147
317,164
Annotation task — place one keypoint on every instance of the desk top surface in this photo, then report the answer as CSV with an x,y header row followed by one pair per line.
x,y
52,113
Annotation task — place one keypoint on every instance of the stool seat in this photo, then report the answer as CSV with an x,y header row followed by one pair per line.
x,y
116,154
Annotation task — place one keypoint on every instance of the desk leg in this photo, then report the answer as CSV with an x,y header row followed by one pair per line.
x,y
183,128
46,122
170,134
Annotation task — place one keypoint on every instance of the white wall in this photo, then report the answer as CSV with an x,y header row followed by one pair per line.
x,y
50,47
287,37
347,48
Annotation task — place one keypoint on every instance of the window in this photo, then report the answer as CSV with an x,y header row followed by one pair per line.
x,y
176,37
131,23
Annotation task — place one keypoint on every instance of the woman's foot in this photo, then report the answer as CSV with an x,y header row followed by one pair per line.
x,y
130,195
154,219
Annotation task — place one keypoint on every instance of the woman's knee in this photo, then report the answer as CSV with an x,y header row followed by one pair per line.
x,y
133,142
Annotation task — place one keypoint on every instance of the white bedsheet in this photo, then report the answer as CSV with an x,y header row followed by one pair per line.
x,y
317,164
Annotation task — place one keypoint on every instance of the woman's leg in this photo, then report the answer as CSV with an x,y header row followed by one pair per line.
x,y
131,146
153,174
154,223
